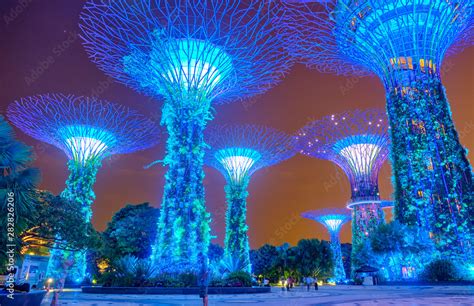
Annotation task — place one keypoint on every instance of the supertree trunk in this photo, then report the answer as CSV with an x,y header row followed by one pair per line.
x,y
236,239
79,189
339,272
79,185
432,176
365,220
183,229
87,130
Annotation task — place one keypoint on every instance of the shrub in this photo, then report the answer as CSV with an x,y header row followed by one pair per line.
x,y
106,279
440,270
358,281
238,279
187,279
230,264
130,271
217,282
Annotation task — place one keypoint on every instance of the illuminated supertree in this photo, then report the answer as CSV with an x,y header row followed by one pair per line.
x,y
238,151
404,43
358,142
332,219
192,53
87,130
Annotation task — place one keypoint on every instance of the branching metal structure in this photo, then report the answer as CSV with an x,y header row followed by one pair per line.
x,y
238,151
358,142
192,53
404,43
332,219
87,130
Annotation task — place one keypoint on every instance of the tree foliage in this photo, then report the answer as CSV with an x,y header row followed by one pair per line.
x,y
17,175
18,182
309,257
440,270
314,258
346,249
365,255
397,246
263,260
216,252
59,222
131,231
40,217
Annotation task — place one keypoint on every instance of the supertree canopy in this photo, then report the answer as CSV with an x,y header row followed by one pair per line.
x,y
238,151
332,219
358,142
191,53
87,130
403,42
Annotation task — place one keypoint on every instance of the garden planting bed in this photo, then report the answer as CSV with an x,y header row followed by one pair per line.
x,y
174,290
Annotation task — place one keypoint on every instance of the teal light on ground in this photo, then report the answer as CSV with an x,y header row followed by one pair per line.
x,y
471,271
237,162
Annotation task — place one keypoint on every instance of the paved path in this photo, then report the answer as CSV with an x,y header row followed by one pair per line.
x,y
327,295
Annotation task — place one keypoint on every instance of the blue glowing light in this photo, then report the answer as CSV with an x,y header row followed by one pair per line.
x,y
357,141
421,30
195,64
470,270
193,54
237,151
87,130
333,223
237,162
218,50
332,219
86,142
360,153
198,64
404,43
191,65
376,36
84,127
240,150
